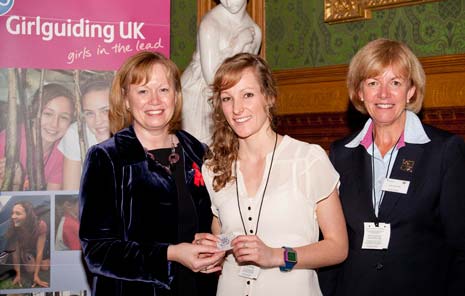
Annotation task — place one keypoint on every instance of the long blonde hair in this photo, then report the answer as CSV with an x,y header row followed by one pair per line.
x,y
135,70
225,144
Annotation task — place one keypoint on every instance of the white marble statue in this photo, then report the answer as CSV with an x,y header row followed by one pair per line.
x,y
225,30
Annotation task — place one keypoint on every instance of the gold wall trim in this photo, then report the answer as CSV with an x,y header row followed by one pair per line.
x,y
339,11
256,9
323,89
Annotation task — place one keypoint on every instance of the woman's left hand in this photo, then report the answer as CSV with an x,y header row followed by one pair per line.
x,y
251,249
39,282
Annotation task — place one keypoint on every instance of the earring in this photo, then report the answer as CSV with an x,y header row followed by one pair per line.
x,y
361,99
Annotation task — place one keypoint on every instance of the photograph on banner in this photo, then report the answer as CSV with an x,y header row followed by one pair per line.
x,y
25,241
57,63
48,120
56,55
67,222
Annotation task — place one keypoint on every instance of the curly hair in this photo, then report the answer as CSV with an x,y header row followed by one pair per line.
x,y
225,144
135,70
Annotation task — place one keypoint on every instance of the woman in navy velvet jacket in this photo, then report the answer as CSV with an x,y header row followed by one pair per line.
x,y
142,194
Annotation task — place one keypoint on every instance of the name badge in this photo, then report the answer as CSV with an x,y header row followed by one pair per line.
x,y
376,237
395,185
249,271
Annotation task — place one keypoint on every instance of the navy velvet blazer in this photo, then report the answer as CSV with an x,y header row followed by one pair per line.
x,y
426,253
129,216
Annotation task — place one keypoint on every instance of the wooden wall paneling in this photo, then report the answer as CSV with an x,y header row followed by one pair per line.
x,y
313,104
313,90
445,81
203,6
324,128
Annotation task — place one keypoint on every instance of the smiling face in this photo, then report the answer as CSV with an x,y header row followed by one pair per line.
x,y
245,106
152,102
18,215
55,120
95,109
385,97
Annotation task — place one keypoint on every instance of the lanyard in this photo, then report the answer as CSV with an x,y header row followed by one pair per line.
x,y
264,190
377,205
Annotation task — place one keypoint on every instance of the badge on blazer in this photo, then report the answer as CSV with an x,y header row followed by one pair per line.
x,y
407,165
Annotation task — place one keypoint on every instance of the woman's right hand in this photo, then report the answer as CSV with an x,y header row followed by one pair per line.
x,y
17,280
206,239
193,256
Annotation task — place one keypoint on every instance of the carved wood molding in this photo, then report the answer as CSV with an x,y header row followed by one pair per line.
x,y
338,11
323,89
256,9
324,128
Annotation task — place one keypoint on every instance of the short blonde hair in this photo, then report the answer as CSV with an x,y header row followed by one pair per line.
x,y
136,70
372,59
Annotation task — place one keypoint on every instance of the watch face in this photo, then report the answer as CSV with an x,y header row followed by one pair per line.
x,y
291,256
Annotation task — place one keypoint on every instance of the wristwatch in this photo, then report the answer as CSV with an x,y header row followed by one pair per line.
x,y
290,259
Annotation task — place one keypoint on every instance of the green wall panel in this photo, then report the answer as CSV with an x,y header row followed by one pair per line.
x,y
183,31
297,36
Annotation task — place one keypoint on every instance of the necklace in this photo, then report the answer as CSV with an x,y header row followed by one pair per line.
x,y
173,158
263,194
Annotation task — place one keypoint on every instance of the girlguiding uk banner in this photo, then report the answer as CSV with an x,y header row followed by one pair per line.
x,y
57,61
80,34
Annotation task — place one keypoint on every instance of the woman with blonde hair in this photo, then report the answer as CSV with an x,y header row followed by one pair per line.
x,y
401,185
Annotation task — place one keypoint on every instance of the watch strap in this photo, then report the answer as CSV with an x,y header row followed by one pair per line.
x,y
290,259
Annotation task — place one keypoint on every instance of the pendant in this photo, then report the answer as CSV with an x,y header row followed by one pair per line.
x,y
173,157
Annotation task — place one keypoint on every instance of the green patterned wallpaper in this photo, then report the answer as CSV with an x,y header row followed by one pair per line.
x,y
297,37
183,31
